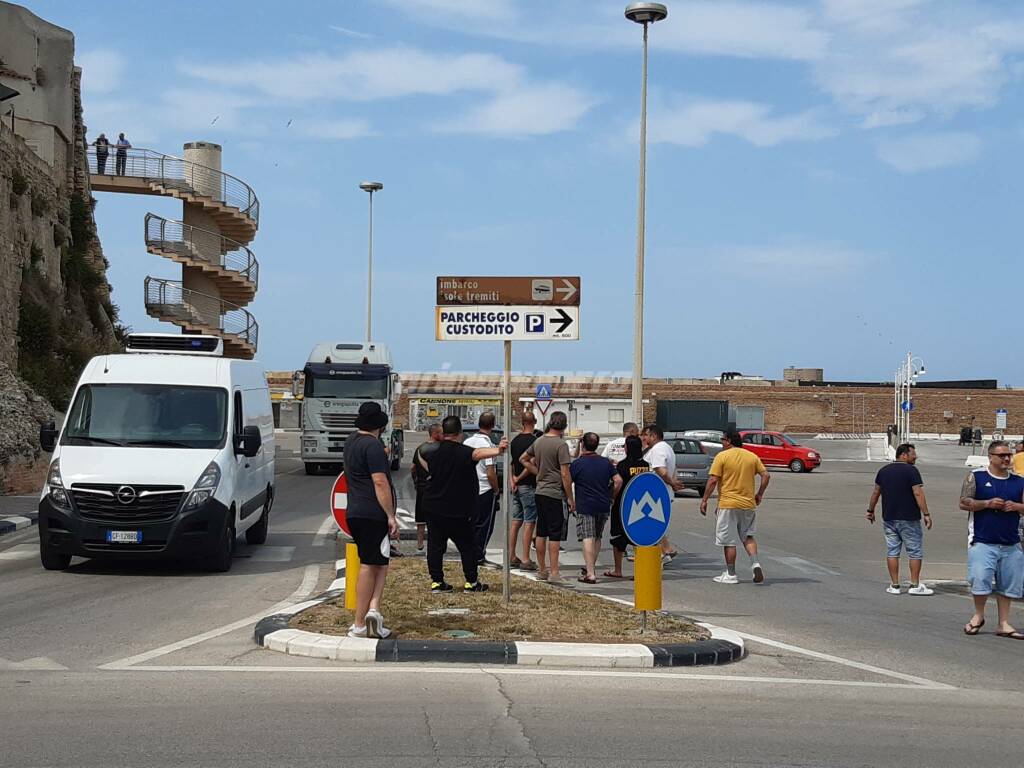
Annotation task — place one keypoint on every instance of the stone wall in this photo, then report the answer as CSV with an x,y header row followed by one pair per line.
x,y
22,464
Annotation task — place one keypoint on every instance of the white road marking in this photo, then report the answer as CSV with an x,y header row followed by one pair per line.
x,y
20,552
309,579
324,533
404,669
39,663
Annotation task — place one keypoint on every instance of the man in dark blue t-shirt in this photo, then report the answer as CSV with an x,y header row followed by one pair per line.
x,y
902,491
596,483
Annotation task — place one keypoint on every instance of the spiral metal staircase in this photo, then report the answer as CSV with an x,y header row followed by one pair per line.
x,y
220,275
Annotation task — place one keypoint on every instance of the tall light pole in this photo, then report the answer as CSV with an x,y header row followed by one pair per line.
x,y
906,377
371,187
646,14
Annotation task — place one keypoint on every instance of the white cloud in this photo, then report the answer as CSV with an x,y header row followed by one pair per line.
x,y
474,11
349,32
335,130
788,260
927,152
696,123
102,70
524,111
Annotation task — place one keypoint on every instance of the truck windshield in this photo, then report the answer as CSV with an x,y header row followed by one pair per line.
x,y
350,387
155,415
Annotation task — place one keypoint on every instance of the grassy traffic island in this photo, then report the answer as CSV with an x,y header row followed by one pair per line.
x,y
538,611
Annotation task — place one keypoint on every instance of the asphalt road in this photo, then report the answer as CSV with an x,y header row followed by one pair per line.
x,y
145,665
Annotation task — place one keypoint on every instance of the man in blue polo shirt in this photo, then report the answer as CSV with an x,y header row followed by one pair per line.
x,y
993,498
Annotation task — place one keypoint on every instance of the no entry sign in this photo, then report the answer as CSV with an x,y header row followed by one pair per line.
x,y
339,502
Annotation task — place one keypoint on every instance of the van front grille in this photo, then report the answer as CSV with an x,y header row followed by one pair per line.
x,y
127,503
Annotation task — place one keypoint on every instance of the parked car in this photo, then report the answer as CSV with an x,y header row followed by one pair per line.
x,y
780,450
693,460
709,438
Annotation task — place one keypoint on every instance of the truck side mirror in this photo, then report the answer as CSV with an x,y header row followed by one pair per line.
x,y
248,443
48,437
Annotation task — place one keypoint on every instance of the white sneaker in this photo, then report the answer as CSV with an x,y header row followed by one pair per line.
x,y
894,589
727,578
354,632
920,589
375,625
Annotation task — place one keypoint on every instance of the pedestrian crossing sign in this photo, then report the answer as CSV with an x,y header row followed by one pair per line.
x,y
543,392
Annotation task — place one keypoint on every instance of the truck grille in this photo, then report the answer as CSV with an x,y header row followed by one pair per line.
x,y
146,503
345,421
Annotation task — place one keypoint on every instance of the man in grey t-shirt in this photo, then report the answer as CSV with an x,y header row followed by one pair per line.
x,y
548,458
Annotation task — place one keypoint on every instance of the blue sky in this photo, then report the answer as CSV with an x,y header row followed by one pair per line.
x,y
830,182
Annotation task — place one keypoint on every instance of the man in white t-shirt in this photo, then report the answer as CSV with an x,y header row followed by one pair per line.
x,y
662,459
487,476
615,451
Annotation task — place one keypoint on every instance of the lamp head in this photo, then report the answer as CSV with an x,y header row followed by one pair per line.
x,y
646,13
371,186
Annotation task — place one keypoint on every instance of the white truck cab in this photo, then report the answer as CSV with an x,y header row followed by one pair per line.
x,y
166,450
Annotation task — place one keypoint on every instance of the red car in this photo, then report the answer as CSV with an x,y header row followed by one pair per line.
x,y
779,450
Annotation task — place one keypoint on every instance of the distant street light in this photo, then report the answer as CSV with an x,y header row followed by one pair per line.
x,y
641,13
371,187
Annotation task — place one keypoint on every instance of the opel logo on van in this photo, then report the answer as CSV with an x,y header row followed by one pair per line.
x,y
126,494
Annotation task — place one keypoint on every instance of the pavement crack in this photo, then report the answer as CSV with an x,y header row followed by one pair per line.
x,y
510,717
434,744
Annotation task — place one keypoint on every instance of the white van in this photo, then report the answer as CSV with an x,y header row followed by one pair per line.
x,y
167,450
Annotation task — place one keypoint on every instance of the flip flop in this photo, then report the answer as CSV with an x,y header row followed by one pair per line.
x,y
973,629
1015,635
585,580
613,575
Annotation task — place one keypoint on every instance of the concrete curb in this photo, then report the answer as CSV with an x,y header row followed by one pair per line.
x,y
12,523
273,633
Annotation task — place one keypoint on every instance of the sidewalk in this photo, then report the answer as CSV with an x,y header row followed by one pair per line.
x,y
17,512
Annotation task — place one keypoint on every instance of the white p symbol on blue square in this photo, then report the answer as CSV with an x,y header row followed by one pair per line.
x,y
535,323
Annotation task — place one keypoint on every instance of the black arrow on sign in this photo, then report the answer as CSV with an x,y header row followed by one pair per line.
x,y
563,320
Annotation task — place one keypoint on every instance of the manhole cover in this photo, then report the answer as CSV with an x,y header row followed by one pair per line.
x,y
448,612
458,634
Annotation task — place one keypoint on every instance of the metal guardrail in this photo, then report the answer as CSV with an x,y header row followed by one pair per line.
x,y
169,299
201,245
178,173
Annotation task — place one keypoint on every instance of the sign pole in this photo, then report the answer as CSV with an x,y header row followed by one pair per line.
x,y
506,496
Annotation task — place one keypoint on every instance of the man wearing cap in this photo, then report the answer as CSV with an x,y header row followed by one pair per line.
x,y
370,515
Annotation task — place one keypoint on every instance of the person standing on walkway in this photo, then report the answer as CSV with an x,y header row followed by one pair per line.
x,y
548,459
615,451
524,498
662,459
631,466
732,472
487,496
595,484
371,516
993,498
451,503
122,153
420,478
102,145
903,504
1018,459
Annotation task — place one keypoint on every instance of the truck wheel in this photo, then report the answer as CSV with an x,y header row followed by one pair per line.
x,y
311,468
51,559
796,466
257,534
220,561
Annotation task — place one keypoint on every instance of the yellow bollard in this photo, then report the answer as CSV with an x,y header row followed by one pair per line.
x,y
647,579
352,576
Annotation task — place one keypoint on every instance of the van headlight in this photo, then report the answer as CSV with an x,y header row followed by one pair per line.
x,y
55,487
205,487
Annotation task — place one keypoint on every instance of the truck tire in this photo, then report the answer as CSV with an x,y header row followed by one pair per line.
x,y
51,559
257,534
220,561
311,469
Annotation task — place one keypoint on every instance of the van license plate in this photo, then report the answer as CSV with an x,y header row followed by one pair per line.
x,y
124,537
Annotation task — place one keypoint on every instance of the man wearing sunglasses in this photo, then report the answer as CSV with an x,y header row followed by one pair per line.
x,y
993,498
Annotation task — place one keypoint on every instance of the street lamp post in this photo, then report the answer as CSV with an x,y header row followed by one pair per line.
x,y
645,14
371,187
906,377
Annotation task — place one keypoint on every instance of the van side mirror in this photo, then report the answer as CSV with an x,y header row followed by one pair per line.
x,y
48,437
248,443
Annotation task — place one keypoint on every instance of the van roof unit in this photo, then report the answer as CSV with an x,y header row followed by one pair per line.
x,y
174,344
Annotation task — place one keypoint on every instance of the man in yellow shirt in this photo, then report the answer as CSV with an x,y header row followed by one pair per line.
x,y
733,472
1018,459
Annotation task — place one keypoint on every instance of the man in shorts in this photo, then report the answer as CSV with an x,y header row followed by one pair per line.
x,y
524,499
732,472
662,459
548,459
420,479
901,489
371,516
451,503
595,483
629,467
993,498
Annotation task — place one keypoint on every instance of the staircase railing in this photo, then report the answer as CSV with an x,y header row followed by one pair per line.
x,y
201,245
169,300
179,173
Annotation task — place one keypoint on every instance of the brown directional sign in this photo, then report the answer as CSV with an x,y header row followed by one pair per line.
x,y
456,290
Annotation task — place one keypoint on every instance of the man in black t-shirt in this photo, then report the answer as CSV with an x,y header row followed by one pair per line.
x,y
371,516
524,499
450,501
628,468
420,479
903,504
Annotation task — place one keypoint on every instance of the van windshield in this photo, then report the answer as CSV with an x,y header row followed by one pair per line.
x,y
154,415
350,386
